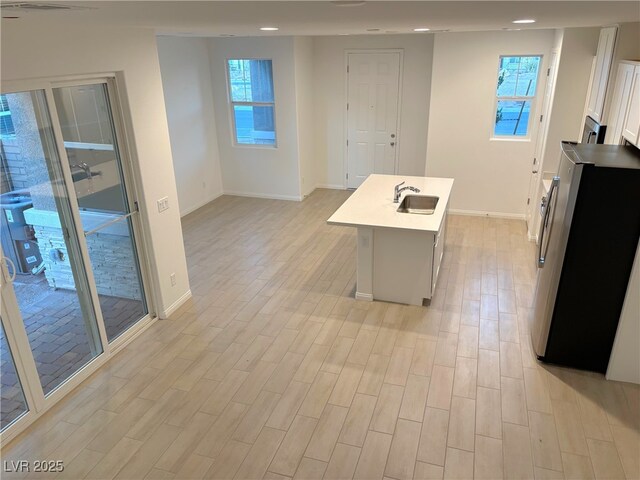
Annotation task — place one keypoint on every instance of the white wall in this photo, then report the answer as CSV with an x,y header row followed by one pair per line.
x,y
188,96
566,120
259,171
303,58
330,101
50,52
492,176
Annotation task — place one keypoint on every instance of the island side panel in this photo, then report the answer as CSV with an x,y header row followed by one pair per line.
x,y
402,265
364,288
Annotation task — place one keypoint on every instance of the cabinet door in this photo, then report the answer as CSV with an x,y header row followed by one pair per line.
x,y
631,127
604,56
438,252
619,103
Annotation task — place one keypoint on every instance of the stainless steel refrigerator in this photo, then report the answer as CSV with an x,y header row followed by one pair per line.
x,y
586,246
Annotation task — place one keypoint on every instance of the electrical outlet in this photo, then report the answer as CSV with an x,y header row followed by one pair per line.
x,y
163,204
173,279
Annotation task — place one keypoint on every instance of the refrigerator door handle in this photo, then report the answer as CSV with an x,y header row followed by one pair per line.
x,y
543,243
589,135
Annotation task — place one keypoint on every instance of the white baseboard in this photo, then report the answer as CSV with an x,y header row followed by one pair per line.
x,y
270,196
167,312
305,195
367,297
331,186
480,213
200,205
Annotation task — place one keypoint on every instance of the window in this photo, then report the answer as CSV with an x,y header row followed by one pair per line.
x,y
6,124
252,102
517,82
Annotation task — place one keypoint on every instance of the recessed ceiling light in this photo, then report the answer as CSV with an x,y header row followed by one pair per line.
x,y
269,29
421,29
525,20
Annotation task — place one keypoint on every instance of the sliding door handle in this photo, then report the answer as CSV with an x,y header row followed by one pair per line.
x,y
12,275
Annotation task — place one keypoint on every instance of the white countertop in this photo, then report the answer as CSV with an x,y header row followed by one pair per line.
x,y
371,205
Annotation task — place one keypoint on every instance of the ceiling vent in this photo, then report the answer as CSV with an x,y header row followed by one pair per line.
x,y
347,3
45,7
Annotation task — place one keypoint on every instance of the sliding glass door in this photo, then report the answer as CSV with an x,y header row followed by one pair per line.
x,y
41,239
71,265
13,404
94,159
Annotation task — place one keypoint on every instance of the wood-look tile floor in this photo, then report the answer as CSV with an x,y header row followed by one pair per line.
x,y
273,370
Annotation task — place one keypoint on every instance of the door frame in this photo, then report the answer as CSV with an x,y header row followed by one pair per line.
x,y
345,119
541,139
17,341
16,335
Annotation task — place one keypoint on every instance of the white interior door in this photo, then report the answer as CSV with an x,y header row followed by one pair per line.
x,y
541,141
372,114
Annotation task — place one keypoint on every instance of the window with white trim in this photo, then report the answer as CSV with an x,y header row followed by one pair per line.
x,y
515,95
252,101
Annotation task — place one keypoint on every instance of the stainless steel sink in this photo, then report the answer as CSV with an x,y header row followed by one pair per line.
x,y
418,204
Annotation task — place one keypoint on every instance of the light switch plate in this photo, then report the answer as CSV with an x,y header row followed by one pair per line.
x,y
163,204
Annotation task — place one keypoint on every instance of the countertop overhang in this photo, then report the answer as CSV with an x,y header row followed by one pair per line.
x,y
371,205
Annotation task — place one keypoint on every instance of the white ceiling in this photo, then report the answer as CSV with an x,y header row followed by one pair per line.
x,y
243,18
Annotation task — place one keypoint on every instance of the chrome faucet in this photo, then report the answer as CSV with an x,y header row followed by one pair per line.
x,y
397,191
85,167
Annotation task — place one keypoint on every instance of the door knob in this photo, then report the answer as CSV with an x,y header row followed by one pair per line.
x,y
393,135
392,143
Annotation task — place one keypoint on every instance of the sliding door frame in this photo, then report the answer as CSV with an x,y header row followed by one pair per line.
x,y
129,185
20,349
17,338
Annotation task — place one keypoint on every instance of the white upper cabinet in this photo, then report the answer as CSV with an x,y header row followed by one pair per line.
x,y
595,103
631,128
620,102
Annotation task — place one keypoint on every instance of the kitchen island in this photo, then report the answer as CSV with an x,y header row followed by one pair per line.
x,y
399,253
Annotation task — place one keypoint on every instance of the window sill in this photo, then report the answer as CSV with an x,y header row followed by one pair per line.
x,y
510,139
258,146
